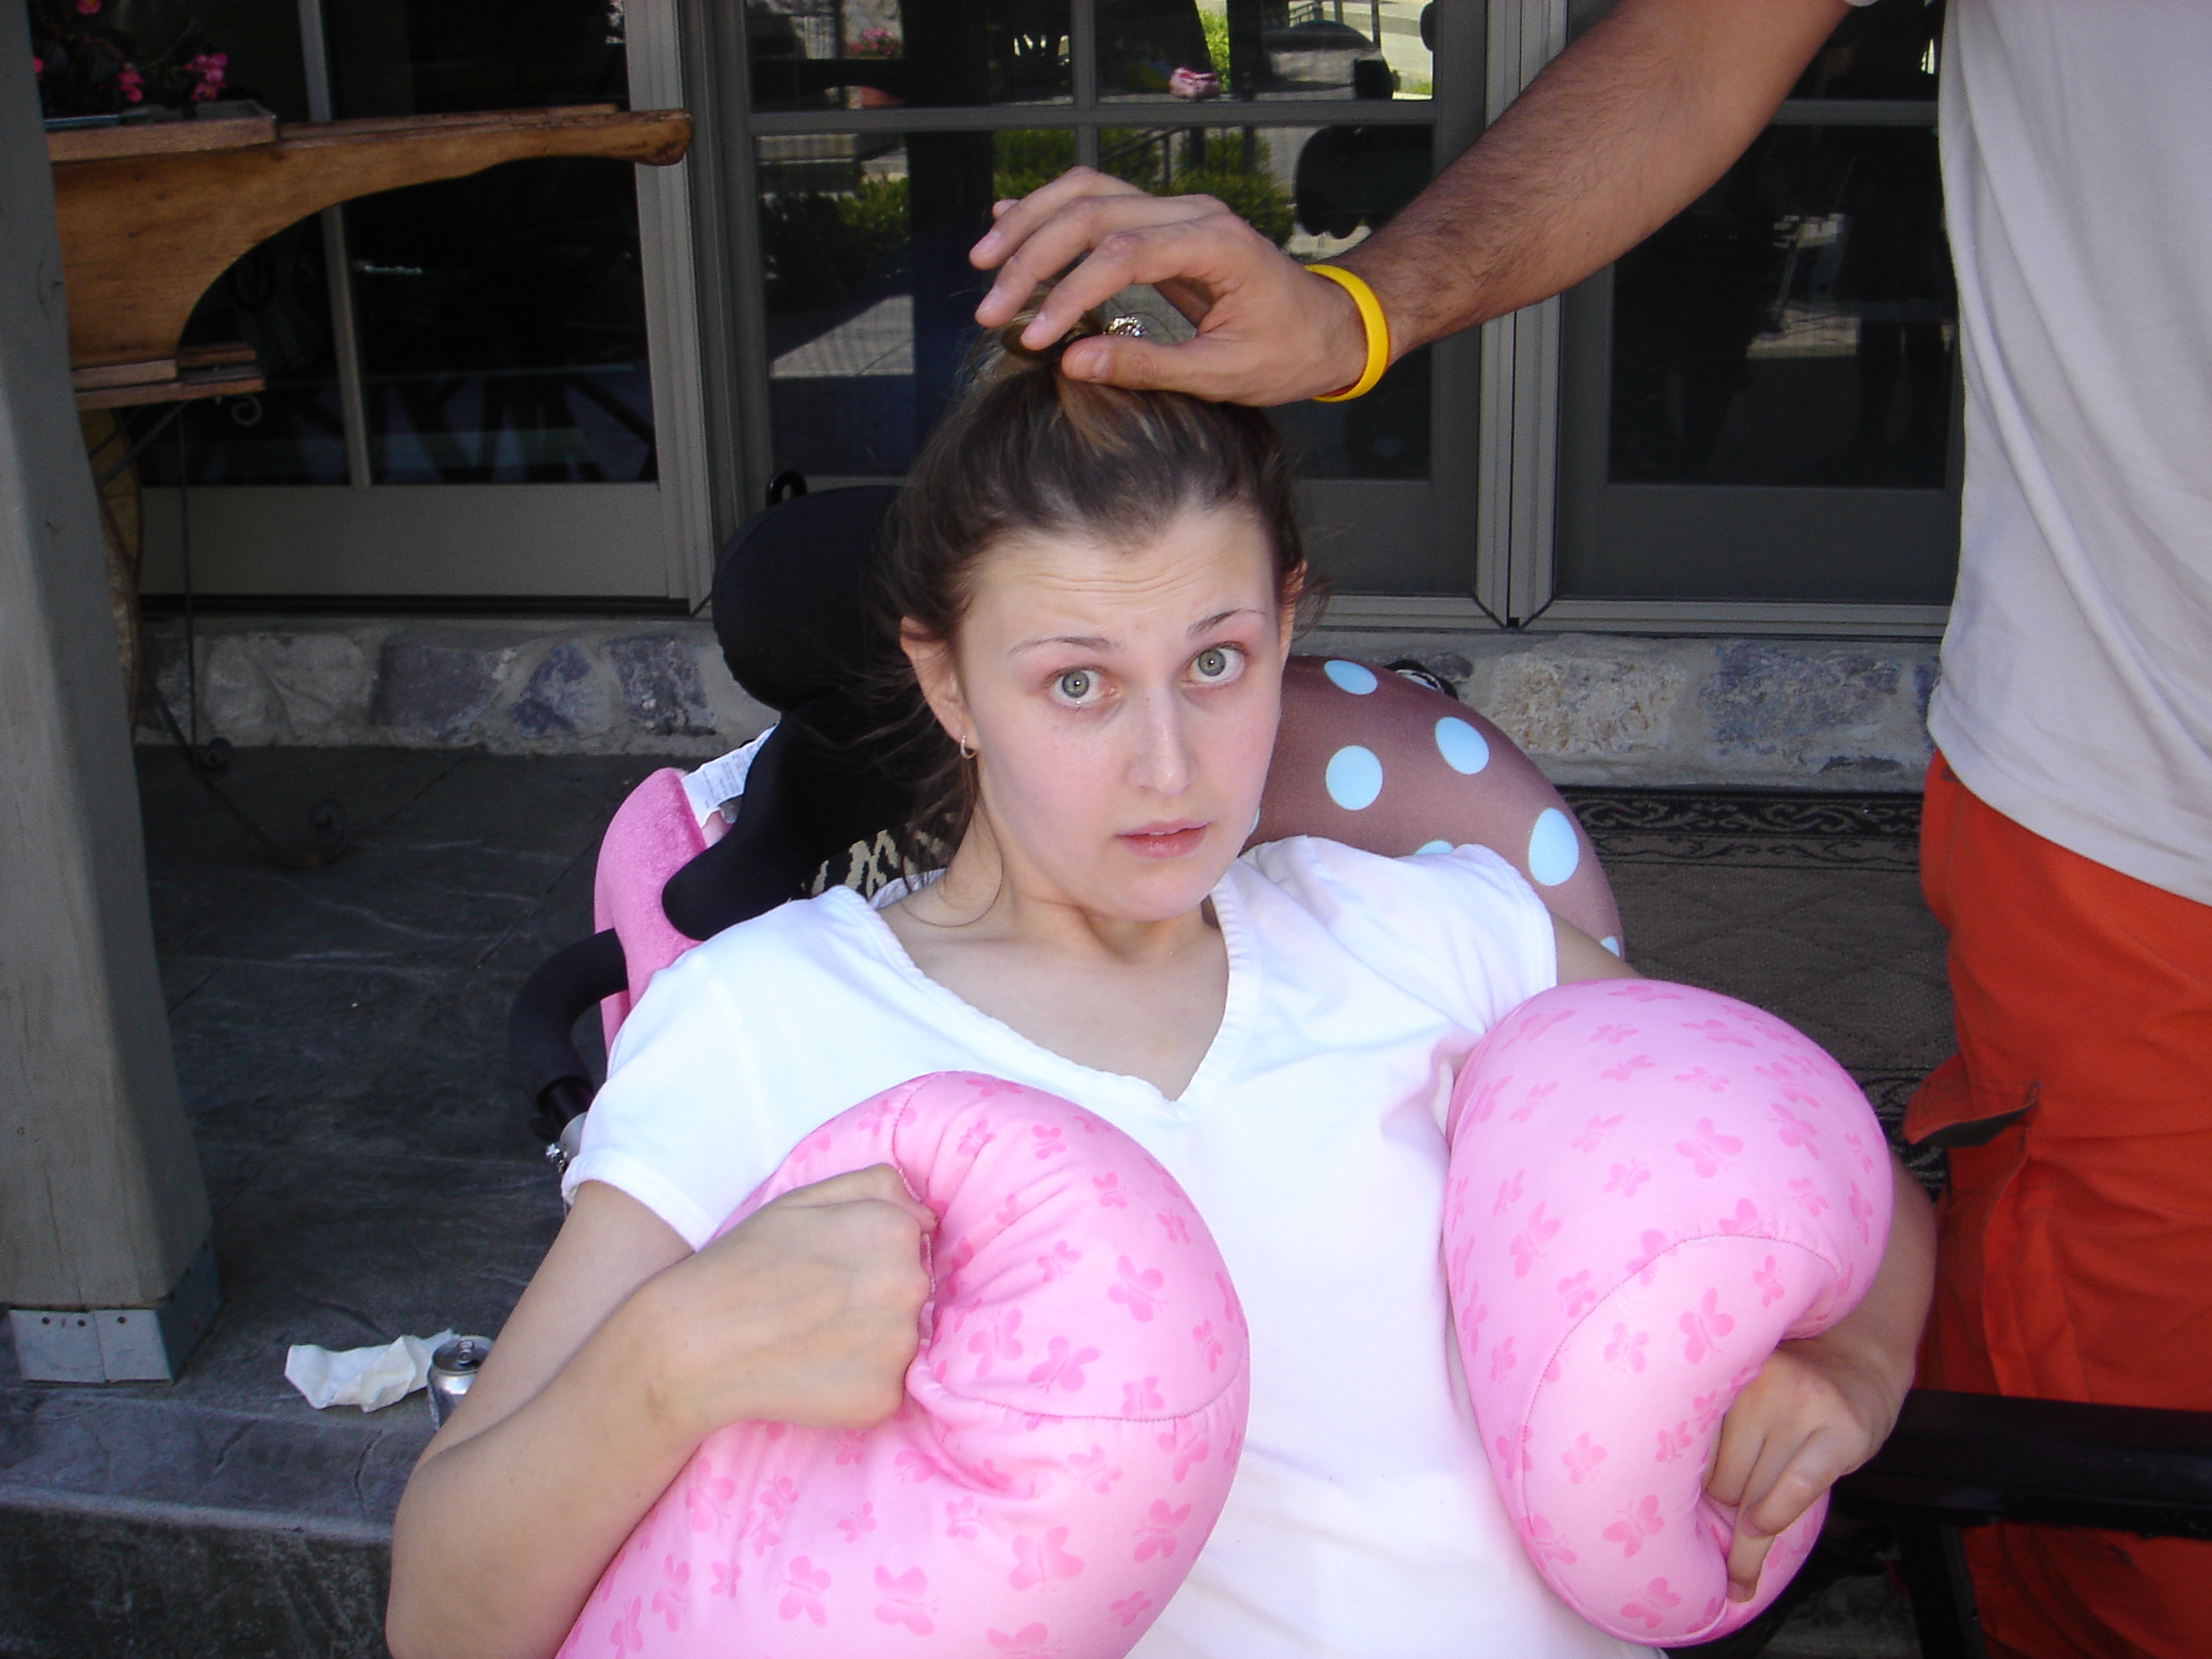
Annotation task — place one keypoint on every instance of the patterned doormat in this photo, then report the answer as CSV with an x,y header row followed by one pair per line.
x,y
1808,905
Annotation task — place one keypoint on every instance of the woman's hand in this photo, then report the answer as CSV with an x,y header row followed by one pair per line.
x,y
1816,1412
1821,1407
806,1312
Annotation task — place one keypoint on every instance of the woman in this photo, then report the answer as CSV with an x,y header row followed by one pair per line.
x,y
1095,591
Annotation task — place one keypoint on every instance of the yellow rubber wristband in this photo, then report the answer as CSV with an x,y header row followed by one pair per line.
x,y
1378,334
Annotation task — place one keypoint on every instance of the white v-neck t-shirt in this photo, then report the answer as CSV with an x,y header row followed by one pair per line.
x,y
1363,1520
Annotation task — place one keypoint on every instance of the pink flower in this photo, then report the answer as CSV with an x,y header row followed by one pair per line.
x,y
87,8
209,67
133,85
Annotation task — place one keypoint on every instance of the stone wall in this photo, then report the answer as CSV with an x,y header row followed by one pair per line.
x,y
1592,709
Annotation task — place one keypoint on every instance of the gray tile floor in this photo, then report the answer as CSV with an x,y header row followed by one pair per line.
x,y
340,1037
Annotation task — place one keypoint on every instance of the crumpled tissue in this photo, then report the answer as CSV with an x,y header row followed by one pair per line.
x,y
371,1378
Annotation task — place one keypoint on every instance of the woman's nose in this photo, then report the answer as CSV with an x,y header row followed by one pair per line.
x,y
1162,763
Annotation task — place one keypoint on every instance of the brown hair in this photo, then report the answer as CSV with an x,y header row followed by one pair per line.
x,y
1027,451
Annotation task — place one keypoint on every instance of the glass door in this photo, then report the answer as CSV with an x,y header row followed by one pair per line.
x,y
1759,405
875,135
484,388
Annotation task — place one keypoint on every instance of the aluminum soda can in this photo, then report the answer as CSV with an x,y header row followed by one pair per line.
x,y
453,1369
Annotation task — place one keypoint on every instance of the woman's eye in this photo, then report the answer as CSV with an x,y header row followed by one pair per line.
x,y
1076,685
1217,663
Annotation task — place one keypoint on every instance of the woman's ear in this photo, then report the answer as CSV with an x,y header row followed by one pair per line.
x,y
939,677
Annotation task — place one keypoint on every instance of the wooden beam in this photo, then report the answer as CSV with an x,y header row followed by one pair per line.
x,y
145,231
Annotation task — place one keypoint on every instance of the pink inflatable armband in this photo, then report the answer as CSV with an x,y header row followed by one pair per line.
x,y
1070,1427
1651,1185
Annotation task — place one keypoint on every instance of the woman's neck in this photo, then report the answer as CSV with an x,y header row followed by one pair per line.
x,y
988,896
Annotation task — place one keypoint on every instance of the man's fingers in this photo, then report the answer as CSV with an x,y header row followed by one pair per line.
x,y
1015,222
1090,226
1212,369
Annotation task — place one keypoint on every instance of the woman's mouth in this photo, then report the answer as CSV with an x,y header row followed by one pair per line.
x,y
1163,841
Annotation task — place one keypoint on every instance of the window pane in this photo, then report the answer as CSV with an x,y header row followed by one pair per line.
x,y
1886,51
1314,192
1797,326
502,317
871,54
1247,49
276,299
871,298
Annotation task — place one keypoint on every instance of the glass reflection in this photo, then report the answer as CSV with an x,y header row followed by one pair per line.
x,y
500,317
878,54
1201,50
1796,326
871,298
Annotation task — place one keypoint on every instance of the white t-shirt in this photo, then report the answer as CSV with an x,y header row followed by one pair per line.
x,y
2076,696
1363,1520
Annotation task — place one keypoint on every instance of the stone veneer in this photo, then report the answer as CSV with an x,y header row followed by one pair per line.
x,y
1591,708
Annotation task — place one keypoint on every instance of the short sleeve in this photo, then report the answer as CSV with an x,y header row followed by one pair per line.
x,y
669,1127
1462,929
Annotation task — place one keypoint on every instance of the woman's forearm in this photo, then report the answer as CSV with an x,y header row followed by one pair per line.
x,y
501,1536
1622,131
1881,1334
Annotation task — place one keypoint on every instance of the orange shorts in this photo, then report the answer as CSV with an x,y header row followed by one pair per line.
x,y
2075,1261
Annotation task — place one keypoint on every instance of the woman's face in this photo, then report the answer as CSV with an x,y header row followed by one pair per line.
x,y
1121,702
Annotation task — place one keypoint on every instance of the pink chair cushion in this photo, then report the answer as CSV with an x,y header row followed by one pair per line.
x,y
1370,758
653,835
1071,1427
1650,1187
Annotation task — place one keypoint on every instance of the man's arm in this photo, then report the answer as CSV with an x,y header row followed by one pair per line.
x,y
1622,131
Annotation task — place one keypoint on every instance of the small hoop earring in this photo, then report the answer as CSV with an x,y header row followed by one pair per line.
x,y
967,752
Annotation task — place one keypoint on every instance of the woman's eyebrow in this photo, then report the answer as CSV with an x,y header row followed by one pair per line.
x,y
1084,642
1207,625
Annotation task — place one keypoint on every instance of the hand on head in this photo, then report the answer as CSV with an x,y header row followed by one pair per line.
x,y
1268,332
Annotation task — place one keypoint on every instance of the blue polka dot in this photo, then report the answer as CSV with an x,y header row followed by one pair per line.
x,y
1354,778
1349,675
1553,848
1611,943
1461,746
1434,847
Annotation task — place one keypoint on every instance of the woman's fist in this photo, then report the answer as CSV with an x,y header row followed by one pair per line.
x,y
806,1312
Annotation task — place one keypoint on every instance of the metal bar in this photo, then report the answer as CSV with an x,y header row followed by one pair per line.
x,y
1134,113
1083,52
353,408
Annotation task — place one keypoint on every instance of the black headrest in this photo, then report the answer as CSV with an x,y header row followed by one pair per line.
x,y
790,605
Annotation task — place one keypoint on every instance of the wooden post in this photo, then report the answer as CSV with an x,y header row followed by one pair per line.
x,y
103,1213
